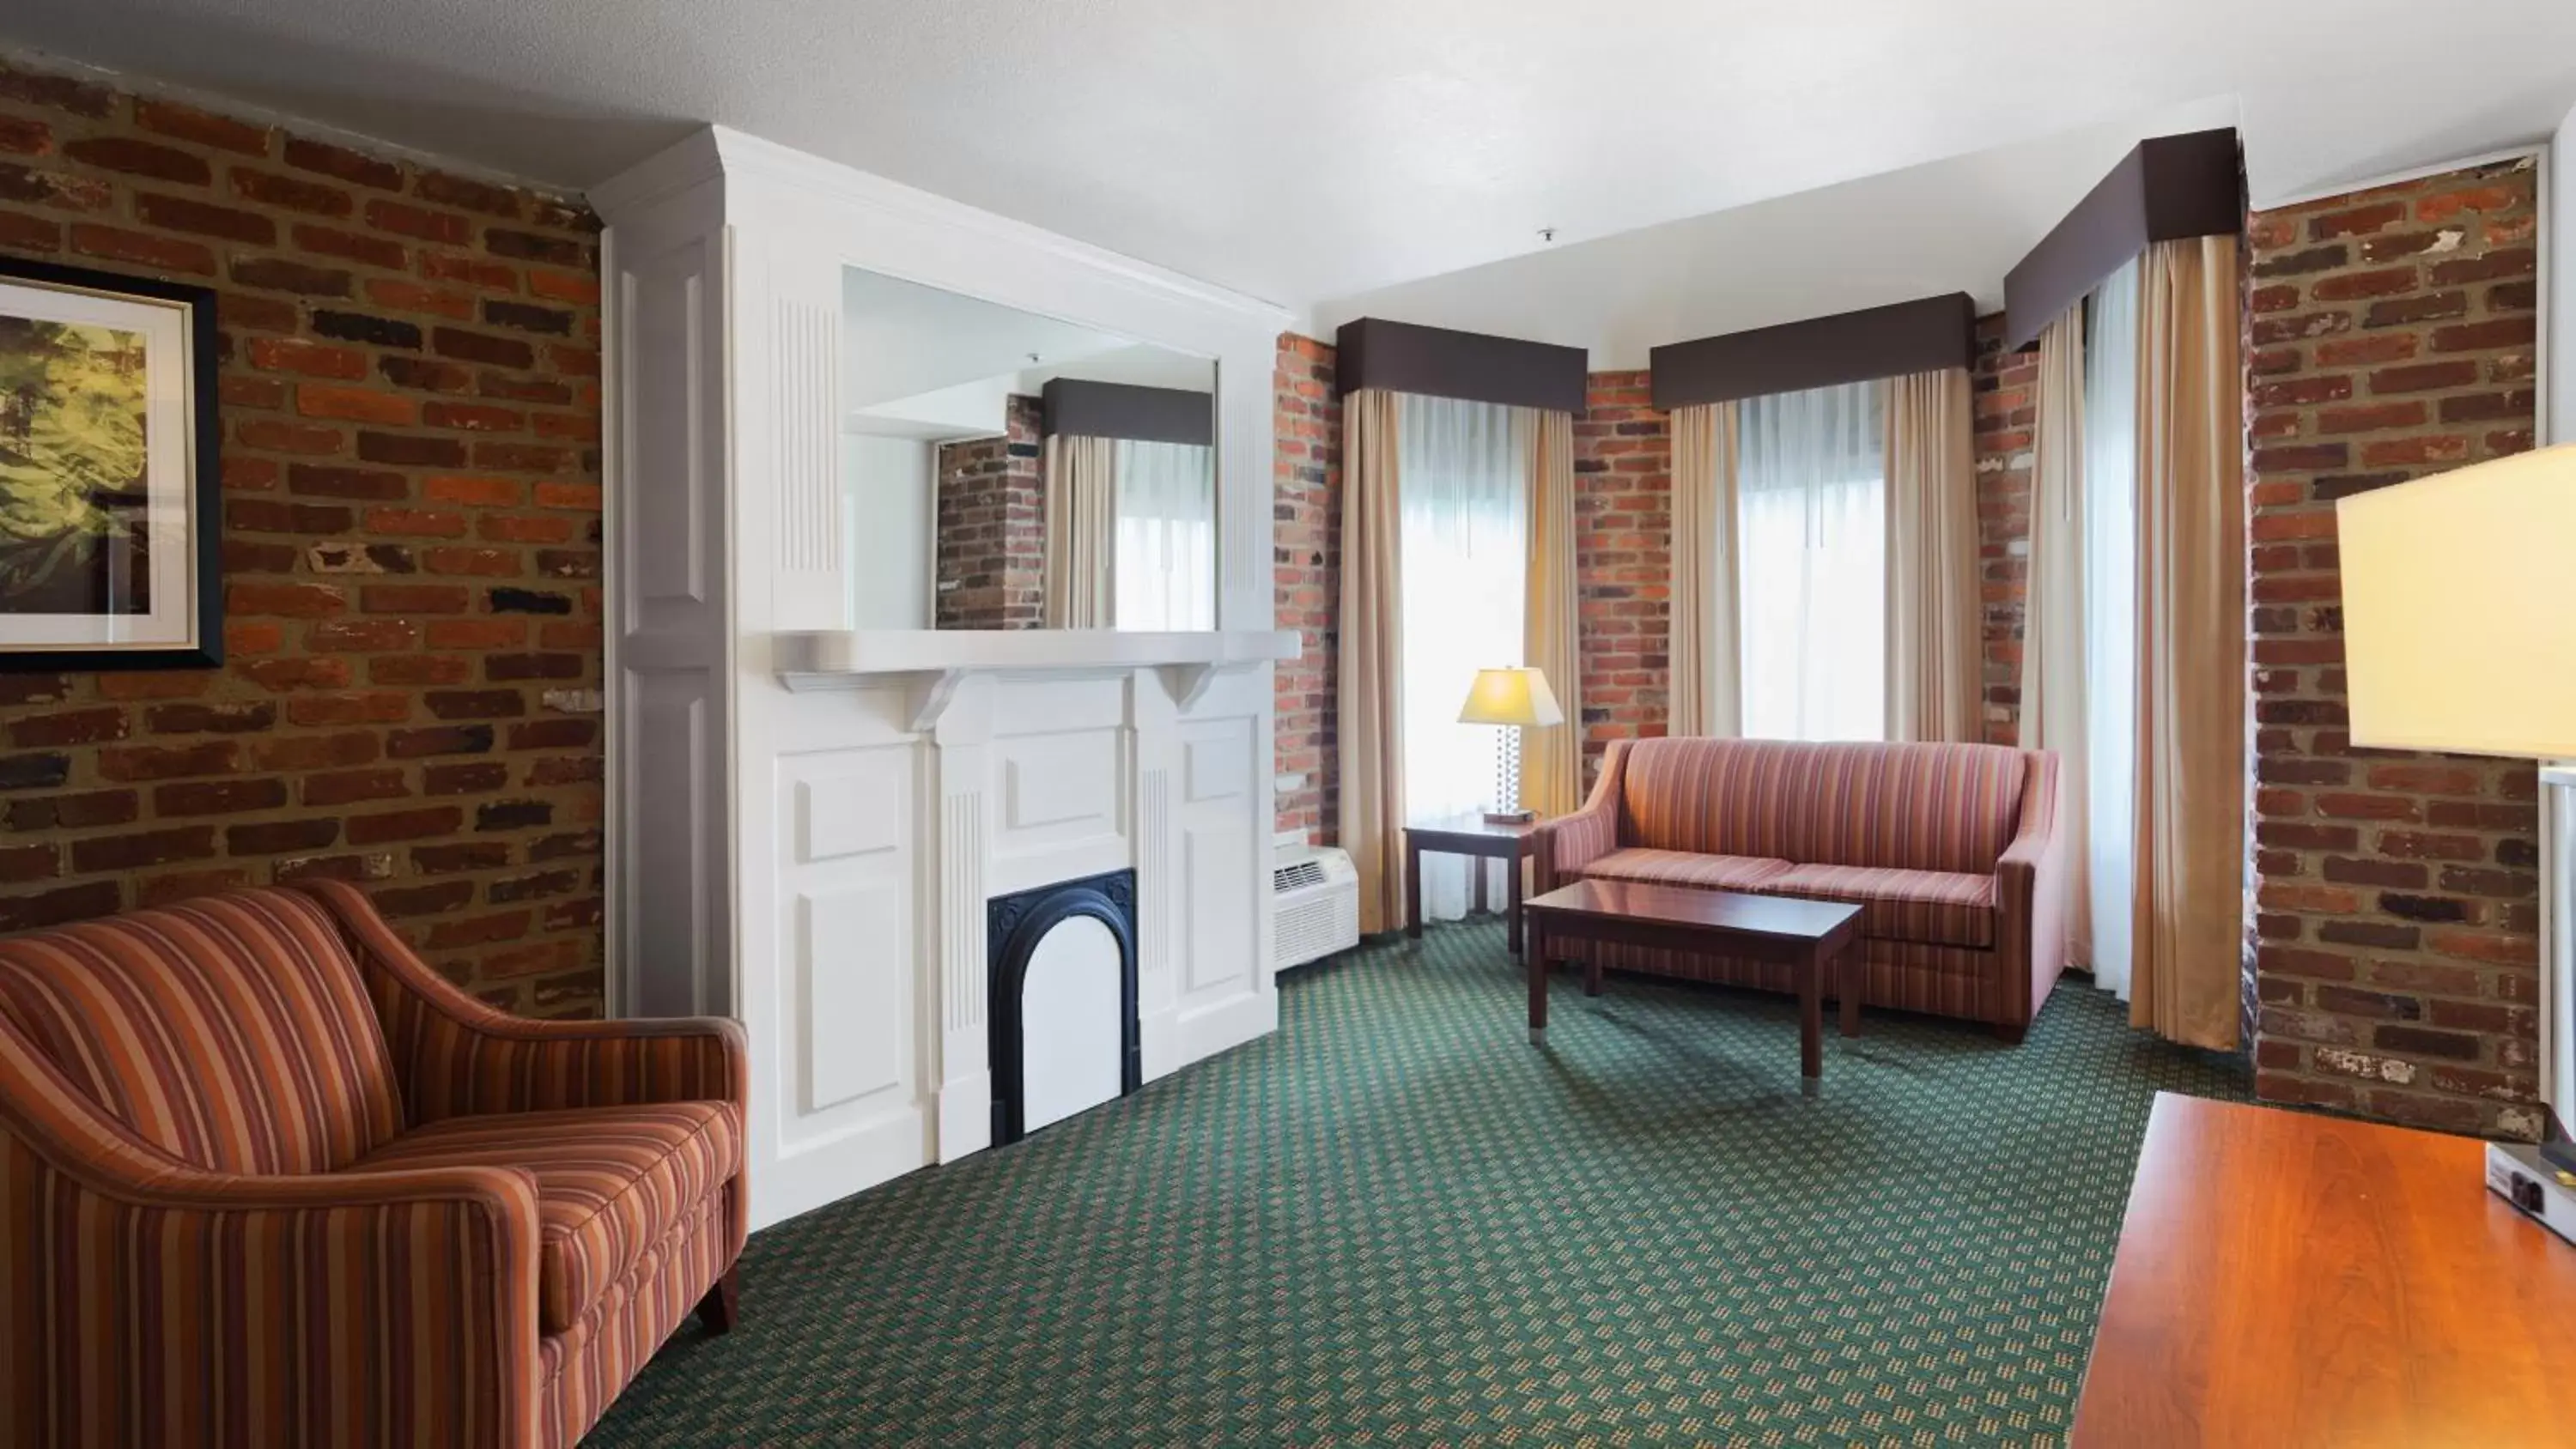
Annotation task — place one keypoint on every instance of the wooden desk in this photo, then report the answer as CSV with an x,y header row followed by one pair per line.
x,y
2286,1279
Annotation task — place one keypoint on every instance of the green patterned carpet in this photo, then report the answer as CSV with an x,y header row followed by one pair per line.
x,y
1395,1223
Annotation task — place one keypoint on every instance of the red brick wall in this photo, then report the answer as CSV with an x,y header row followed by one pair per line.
x,y
410,414
1623,561
2392,334
2005,415
991,549
1307,561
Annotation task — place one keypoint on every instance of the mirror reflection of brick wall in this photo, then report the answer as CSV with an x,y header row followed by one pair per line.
x,y
992,527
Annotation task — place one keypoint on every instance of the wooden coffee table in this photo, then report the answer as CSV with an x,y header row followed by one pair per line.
x,y
1813,936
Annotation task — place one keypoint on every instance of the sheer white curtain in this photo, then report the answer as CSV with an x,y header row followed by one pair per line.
x,y
1166,550
1465,550
1812,540
2111,619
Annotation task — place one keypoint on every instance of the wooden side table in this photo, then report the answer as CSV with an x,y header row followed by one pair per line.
x,y
1475,837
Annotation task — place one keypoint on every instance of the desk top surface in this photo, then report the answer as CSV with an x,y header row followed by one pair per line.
x,y
2288,1279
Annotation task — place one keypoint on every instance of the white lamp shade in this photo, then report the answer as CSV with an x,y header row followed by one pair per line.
x,y
2459,609
1511,697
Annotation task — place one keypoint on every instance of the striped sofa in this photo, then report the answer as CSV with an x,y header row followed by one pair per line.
x,y
266,1179
1949,850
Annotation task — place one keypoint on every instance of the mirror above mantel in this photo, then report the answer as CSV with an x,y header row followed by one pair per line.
x,y
1002,470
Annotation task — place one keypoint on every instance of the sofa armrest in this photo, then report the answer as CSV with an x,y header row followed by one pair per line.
x,y
1577,840
456,1056
401,1307
2030,890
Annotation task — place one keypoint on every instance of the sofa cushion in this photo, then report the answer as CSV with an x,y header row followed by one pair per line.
x,y
1933,908
610,1182
1682,868
232,1032
1936,807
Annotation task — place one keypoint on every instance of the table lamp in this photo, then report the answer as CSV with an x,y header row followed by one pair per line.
x,y
2459,617
1516,699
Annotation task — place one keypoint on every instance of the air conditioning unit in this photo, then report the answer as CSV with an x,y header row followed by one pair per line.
x,y
1315,898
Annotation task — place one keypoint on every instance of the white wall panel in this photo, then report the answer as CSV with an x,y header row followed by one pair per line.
x,y
855,961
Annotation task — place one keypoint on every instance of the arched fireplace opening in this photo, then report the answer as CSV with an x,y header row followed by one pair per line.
x,y
1063,993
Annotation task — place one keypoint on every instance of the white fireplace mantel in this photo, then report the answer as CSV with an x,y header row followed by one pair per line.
x,y
807,824
934,661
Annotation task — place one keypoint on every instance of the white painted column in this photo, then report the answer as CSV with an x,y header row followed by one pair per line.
x,y
961,831
1155,742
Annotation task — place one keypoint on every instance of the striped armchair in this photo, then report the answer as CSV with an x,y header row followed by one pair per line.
x,y
267,1179
1951,851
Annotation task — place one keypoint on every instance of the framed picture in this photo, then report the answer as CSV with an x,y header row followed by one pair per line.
x,y
110,517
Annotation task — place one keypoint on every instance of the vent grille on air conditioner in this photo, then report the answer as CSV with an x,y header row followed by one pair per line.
x,y
1296,875
1317,896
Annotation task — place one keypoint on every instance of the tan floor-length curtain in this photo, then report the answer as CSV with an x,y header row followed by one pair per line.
x,y
1932,609
1552,758
1081,532
2191,645
1370,664
1707,646
2052,632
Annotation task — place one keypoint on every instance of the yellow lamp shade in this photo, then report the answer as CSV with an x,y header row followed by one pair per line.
x,y
1511,697
2459,609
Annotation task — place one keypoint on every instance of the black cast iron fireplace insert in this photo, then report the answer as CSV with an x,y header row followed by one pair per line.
x,y
1013,927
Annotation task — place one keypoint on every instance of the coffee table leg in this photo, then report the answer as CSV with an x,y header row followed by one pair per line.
x,y
1512,933
1537,990
1855,965
1811,1019
1592,971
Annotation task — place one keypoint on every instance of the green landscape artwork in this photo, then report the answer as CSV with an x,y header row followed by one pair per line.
x,y
73,537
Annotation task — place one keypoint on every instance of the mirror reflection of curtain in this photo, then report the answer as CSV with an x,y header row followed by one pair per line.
x,y
1465,555
1812,572
1165,557
1081,531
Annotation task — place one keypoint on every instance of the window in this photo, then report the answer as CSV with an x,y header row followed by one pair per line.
x,y
2110,508
1811,544
1464,544
1165,569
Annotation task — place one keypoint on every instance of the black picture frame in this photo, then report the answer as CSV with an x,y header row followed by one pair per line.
x,y
205,484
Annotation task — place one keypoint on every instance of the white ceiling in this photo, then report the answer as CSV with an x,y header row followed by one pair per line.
x,y
1946,226
1323,149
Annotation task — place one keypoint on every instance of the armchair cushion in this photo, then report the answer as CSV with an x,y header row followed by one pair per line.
x,y
1681,868
231,1032
1934,908
611,1181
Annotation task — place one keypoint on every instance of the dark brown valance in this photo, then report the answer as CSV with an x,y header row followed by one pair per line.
x,y
2169,188
1436,362
1908,337
1081,409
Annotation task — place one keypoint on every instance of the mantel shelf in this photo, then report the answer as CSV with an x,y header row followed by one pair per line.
x,y
861,658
